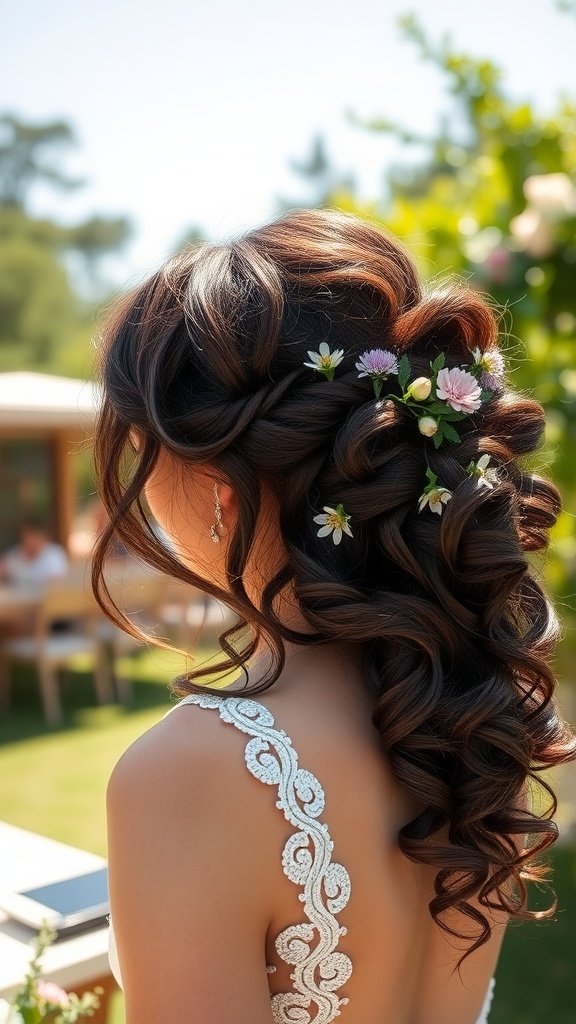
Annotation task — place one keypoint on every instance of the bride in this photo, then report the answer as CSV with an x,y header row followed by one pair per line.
x,y
344,830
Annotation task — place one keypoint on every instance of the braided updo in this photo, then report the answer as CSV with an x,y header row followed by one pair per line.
x,y
206,360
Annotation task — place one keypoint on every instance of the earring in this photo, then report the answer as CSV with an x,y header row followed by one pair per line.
x,y
218,513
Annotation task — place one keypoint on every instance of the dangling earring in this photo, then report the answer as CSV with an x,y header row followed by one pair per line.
x,y
218,513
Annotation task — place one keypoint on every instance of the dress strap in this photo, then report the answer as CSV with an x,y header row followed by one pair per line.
x,y
483,1018
310,947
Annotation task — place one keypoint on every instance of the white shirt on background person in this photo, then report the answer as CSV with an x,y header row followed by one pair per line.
x,y
49,563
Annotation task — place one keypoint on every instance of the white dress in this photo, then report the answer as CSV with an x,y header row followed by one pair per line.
x,y
310,947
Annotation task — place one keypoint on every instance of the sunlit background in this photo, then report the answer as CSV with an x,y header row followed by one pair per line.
x,y
128,129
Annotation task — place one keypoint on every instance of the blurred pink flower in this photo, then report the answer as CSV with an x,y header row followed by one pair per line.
x,y
459,388
490,381
52,993
551,193
497,264
532,233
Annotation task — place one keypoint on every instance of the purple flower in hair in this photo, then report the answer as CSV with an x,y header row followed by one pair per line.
x,y
490,381
377,363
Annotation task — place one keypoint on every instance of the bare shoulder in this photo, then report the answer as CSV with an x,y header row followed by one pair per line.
x,y
188,769
188,848
189,740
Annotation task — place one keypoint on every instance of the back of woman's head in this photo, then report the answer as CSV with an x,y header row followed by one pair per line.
x,y
206,360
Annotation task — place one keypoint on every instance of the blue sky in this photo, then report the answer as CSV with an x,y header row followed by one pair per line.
x,y
189,113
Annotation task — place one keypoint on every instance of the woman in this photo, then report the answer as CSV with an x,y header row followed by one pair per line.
x,y
335,453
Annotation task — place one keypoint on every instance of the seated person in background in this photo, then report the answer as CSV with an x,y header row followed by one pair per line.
x,y
35,559
32,563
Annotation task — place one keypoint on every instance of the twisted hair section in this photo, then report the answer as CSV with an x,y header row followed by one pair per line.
x,y
205,360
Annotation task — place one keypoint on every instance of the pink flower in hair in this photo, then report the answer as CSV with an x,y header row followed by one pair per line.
x,y
459,388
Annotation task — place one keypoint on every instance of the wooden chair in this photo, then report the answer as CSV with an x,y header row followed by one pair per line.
x,y
191,616
138,593
162,606
73,606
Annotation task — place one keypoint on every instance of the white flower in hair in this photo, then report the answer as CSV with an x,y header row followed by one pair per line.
x,y
335,521
490,361
435,499
434,495
486,475
324,360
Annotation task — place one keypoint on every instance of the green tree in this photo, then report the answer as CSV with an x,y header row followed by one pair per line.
x,y
322,178
493,199
95,238
30,153
36,305
192,235
41,312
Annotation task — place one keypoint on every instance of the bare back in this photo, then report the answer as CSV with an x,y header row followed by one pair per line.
x,y
401,962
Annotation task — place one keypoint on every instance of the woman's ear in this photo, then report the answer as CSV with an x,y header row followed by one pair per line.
x,y
228,501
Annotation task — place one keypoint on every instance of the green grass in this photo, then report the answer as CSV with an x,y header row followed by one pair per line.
x,y
535,978
54,782
54,779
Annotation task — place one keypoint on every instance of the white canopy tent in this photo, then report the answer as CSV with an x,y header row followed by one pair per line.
x,y
41,400
44,421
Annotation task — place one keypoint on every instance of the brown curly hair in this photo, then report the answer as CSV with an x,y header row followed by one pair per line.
x,y
205,359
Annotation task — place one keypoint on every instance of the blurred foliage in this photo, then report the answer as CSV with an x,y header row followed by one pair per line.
x,y
30,153
44,320
491,198
192,236
319,168
36,302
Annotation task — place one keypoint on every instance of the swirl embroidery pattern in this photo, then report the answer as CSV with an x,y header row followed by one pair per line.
x,y
319,969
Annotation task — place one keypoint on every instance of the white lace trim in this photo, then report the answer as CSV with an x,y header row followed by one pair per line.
x,y
313,872
306,860
483,1018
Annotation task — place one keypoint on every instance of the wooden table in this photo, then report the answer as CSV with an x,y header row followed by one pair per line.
x,y
16,600
77,963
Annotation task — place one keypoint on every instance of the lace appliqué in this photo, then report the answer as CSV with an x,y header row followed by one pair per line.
x,y
310,947
483,1018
